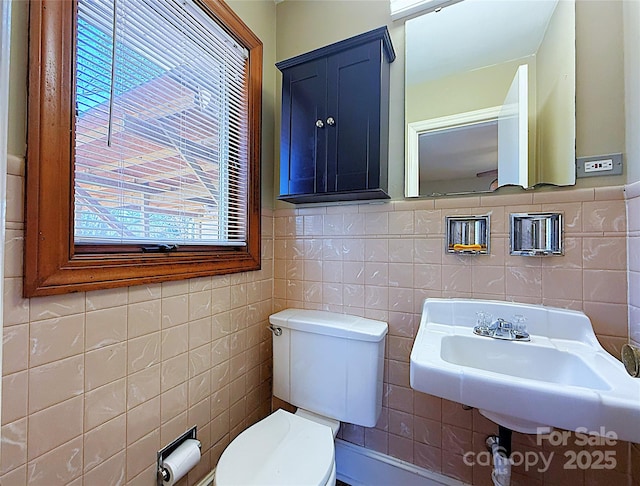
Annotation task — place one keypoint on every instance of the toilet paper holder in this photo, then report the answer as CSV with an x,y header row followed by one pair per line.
x,y
167,450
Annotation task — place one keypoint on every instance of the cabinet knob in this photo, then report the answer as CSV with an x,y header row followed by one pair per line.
x,y
330,121
319,123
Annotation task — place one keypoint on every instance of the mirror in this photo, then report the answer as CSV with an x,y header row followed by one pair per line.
x,y
461,67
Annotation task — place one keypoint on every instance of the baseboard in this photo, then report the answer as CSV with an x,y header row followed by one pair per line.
x,y
208,479
358,466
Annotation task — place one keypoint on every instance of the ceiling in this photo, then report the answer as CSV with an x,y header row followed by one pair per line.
x,y
473,34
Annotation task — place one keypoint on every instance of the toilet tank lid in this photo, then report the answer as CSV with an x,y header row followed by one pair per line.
x,y
330,324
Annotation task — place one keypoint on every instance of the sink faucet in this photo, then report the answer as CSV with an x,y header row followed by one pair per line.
x,y
501,329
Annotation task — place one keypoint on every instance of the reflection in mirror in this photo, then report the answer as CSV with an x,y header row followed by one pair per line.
x,y
455,154
513,132
460,64
471,164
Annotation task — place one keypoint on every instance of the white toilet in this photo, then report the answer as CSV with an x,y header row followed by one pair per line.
x,y
328,365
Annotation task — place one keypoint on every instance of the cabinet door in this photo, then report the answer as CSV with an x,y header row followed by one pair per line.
x,y
353,101
303,143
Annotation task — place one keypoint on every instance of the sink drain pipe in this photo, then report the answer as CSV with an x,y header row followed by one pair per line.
x,y
500,448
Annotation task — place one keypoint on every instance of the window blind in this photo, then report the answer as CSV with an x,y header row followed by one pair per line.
x,y
161,126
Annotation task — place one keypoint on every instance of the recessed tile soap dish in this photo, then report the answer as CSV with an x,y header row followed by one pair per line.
x,y
467,235
536,234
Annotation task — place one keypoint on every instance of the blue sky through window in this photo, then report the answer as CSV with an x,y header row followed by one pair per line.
x,y
93,76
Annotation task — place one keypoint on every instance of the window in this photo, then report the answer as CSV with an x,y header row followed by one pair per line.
x,y
147,169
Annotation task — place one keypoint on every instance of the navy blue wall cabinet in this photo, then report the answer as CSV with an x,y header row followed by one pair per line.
x,y
335,121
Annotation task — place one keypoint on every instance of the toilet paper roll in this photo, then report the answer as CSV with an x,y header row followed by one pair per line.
x,y
181,461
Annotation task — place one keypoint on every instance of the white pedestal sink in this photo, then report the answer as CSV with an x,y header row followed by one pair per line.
x,y
561,378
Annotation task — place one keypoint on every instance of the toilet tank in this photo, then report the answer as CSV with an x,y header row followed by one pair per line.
x,y
331,364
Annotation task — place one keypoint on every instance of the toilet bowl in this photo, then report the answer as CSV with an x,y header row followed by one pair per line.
x,y
329,366
282,449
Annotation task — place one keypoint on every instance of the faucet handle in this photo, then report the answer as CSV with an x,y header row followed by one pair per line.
x,y
483,319
519,323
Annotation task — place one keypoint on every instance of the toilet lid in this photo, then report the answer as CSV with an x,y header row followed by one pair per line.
x,y
283,449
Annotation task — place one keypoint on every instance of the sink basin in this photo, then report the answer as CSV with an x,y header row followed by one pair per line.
x,y
530,362
561,378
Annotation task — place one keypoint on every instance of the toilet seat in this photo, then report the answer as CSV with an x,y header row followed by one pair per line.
x,y
282,449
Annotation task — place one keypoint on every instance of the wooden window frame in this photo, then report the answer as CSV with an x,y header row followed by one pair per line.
x,y
51,263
